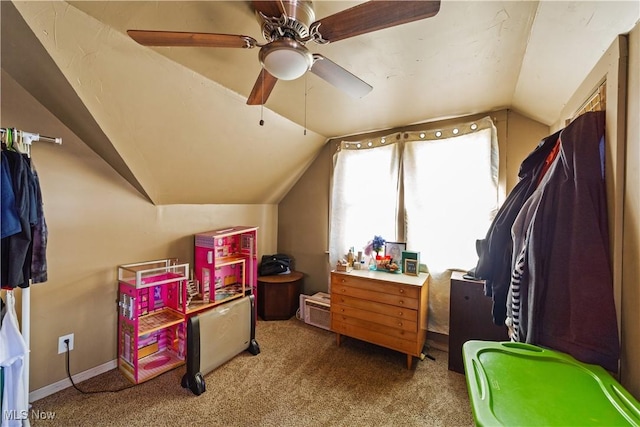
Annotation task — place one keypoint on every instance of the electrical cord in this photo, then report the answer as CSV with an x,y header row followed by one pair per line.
x,y
66,343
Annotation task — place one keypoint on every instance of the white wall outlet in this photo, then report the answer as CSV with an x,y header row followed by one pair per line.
x,y
62,347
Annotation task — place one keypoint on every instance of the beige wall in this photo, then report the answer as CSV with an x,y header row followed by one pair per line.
x,y
303,223
521,134
96,222
303,213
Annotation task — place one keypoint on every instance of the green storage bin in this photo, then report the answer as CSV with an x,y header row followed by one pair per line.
x,y
517,384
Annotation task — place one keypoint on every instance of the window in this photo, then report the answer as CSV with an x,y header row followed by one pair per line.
x,y
436,190
364,198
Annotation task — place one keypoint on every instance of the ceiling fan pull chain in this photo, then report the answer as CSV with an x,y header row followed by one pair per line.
x,y
262,99
305,104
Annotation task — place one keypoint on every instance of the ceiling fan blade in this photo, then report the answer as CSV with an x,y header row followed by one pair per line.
x,y
176,38
262,88
339,77
270,8
373,16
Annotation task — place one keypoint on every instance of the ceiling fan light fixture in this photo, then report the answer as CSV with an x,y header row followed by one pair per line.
x,y
286,59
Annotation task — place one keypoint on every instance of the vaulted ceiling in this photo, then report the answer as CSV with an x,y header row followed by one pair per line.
x,y
174,120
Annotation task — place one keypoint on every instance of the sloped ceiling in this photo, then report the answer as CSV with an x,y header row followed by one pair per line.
x,y
174,123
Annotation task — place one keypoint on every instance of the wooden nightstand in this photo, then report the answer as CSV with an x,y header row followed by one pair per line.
x,y
469,318
279,295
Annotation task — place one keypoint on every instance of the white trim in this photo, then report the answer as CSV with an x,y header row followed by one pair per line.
x,y
77,378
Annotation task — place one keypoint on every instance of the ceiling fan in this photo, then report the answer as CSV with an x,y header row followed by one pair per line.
x,y
287,26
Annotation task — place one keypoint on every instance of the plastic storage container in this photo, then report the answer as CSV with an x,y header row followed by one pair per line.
x,y
517,384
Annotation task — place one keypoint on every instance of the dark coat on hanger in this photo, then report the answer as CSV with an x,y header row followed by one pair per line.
x,y
568,281
496,249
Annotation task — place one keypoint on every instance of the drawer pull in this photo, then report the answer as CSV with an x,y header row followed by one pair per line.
x,y
400,324
401,302
342,310
399,313
401,290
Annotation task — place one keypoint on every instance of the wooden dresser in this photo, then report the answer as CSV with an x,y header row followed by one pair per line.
x,y
382,308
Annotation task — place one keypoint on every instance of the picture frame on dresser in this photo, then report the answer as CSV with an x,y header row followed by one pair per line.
x,y
394,250
410,255
411,267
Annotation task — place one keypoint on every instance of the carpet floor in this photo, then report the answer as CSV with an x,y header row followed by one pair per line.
x,y
300,378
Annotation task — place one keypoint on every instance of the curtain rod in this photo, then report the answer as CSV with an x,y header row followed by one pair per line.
x,y
29,137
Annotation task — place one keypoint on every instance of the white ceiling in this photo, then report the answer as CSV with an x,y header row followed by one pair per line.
x,y
473,56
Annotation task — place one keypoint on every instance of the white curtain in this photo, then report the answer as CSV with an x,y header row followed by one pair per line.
x,y
364,196
451,196
447,181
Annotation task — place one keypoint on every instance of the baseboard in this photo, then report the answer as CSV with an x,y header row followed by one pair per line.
x,y
77,378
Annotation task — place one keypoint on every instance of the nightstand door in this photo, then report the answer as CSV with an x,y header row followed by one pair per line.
x,y
469,318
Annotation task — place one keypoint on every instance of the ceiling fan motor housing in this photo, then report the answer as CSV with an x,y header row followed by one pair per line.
x,y
295,23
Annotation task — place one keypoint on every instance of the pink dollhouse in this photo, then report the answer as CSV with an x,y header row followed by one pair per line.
x,y
157,297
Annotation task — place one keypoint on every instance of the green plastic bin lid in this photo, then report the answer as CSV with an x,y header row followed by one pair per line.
x,y
518,384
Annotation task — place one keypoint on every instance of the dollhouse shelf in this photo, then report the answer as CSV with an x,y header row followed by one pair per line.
x,y
158,320
199,306
157,363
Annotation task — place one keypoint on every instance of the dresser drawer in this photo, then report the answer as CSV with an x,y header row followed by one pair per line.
x,y
370,316
381,286
364,332
372,327
392,299
405,313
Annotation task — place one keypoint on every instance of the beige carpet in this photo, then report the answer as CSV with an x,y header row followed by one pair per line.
x,y
300,378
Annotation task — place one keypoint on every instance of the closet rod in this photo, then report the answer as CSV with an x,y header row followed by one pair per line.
x,y
29,137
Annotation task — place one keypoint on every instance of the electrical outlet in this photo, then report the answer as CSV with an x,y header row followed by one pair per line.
x,y
62,347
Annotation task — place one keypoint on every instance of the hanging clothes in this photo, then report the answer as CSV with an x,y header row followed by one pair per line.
x,y
16,248
40,235
8,215
562,280
17,266
13,350
496,249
